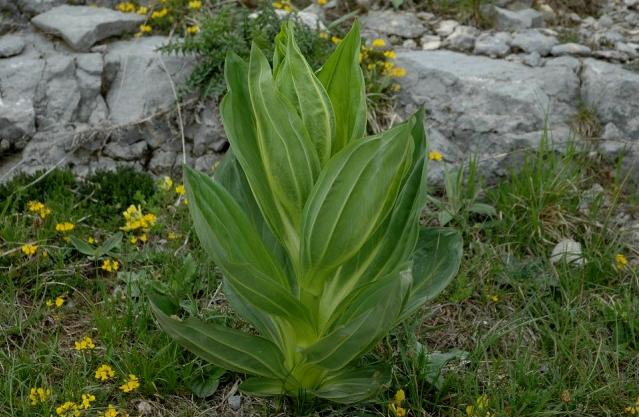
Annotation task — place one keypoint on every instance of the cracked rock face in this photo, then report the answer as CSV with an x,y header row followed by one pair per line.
x,y
83,26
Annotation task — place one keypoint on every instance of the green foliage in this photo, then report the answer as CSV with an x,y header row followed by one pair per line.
x,y
116,190
232,29
318,237
24,188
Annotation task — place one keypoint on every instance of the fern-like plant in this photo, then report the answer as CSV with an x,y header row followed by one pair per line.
x,y
315,227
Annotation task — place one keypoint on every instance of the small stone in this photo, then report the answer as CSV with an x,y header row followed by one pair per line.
x,y
389,22
409,44
533,59
631,49
82,26
569,251
548,13
606,21
446,27
430,42
533,40
144,408
462,39
573,18
515,21
610,55
11,45
631,3
235,402
573,49
493,45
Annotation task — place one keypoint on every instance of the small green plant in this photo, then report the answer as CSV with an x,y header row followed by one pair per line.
x,y
462,194
314,226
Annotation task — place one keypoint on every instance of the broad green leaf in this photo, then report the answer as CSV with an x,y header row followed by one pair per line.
x,y
114,241
224,229
262,386
221,346
289,159
353,385
343,80
352,197
482,208
203,386
297,82
435,263
239,125
81,246
360,322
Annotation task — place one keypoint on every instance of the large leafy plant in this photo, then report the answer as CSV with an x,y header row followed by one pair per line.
x,y
314,226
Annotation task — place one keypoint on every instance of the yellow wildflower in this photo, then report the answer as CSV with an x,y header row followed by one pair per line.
x,y
64,227
435,156
39,395
172,236
145,29
399,396
91,240
390,54
135,219
620,261
395,87
59,301
192,30
400,412
133,240
143,10
110,265
195,4
378,43
336,40
38,208
104,373
87,399
29,249
470,410
68,409
167,183
322,2
158,14
126,7
323,35
84,344
398,72
111,411
180,189
131,384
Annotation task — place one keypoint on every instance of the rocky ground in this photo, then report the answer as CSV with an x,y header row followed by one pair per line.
x,y
73,94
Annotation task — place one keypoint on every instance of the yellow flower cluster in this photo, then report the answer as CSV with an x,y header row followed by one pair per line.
x,y
180,190
480,408
104,373
283,5
39,395
38,208
435,156
142,10
192,30
145,29
64,227
84,344
135,219
159,14
111,411
633,409
195,5
131,384
68,409
110,265
29,249
620,261
166,184
59,301
322,2
126,7
87,399
396,405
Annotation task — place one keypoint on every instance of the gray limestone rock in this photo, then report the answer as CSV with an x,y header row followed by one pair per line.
x,y
533,40
508,20
572,49
83,26
495,45
430,42
462,39
389,22
11,45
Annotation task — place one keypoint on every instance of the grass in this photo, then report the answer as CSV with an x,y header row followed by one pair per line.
x,y
525,336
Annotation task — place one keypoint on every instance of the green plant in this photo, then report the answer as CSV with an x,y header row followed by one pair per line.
x,y
315,227
462,193
233,28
